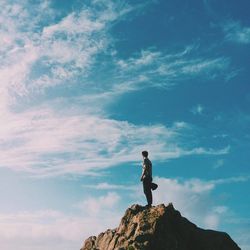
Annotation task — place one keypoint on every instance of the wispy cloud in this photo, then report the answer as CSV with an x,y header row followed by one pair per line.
x,y
235,32
45,142
108,186
151,68
219,163
197,110
195,185
75,134
235,179
37,54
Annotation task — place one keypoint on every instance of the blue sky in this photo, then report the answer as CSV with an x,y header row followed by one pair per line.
x,y
87,85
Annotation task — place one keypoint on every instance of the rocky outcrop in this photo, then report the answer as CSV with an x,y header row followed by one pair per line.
x,y
158,228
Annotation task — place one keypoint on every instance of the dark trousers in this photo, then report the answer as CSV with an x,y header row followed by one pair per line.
x,y
147,189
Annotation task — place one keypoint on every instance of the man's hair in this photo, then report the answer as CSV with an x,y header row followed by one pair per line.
x,y
145,153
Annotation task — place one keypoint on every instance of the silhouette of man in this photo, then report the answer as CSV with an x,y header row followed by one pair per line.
x,y
146,177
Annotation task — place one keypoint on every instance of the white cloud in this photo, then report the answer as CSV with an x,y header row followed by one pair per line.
x,y
232,180
60,52
199,151
152,68
244,239
75,135
80,139
45,142
211,221
197,109
220,135
68,48
235,32
52,229
219,163
72,24
41,228
220,209
37,54
146,57
108,186
194,198
94,206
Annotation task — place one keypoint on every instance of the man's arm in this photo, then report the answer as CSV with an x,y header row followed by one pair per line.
x,y
143,172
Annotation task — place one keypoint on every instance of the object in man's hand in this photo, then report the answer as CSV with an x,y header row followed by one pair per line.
x,y
154,186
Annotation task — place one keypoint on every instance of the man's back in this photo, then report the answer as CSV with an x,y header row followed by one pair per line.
x,y
147,167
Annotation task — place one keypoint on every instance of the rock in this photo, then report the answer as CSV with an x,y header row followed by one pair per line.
x,y
158,228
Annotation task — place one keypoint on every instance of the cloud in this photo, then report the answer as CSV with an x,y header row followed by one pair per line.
x,y
63,51
232,180
20,49
47,142
45,52
47,229
195,199
219,163
197,110
42,48
241,227
94,206
220,135
53,229
107,186
145,58
244,238
74,134
151,68
37,55
235,32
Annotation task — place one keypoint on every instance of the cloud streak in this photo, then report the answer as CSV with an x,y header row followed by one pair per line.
x,y
151,68
235,32
44,142
107,186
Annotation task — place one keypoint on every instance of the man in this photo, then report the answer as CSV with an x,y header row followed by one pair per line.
x,y
146,177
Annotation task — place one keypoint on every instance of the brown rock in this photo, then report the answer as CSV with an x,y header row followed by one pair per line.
x,y
158,228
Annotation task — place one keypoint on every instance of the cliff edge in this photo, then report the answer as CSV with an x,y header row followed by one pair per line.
x,y
158,228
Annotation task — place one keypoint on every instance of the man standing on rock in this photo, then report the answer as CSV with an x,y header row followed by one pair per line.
x,y
146,177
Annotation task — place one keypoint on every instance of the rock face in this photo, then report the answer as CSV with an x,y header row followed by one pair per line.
x,y
158,228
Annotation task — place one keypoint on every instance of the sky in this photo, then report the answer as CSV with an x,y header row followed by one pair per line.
x,y
85,86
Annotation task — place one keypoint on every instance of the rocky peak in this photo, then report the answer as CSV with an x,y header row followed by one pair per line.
x,y
158,228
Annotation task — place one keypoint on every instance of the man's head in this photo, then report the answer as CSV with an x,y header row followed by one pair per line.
x,y
144,153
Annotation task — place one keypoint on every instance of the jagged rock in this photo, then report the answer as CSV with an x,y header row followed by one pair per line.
x,y
158,228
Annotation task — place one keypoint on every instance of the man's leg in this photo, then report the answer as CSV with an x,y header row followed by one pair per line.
x,y
147,191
